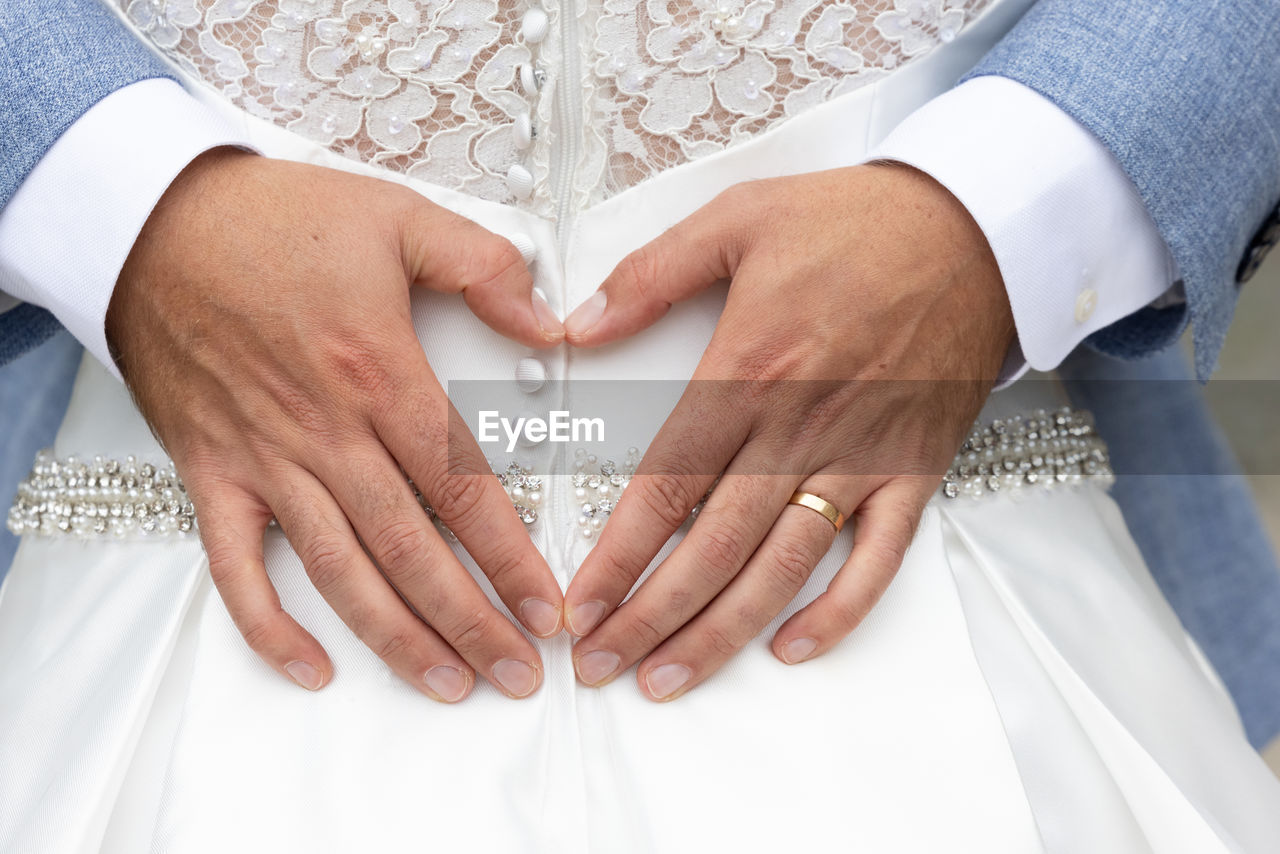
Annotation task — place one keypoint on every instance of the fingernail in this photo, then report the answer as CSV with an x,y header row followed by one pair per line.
x,y
540,616
597,666
666,679
583,618
448,682
798,649
587,315
552,328
304,674
516,677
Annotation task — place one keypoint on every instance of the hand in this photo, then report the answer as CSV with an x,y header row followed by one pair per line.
x,y
262,323
866,320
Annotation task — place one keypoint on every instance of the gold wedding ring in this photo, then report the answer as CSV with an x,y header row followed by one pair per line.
x,y
829,511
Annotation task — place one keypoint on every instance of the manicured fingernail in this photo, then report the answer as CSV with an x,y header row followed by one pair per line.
x,y
448,682
583,618
666,679
597,666
516,677
798,649
552,328
587,315
540,616
304,674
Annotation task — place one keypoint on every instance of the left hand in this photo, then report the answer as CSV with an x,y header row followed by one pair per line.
x,y
867,315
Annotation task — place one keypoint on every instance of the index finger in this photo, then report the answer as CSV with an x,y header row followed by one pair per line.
x,y
675,474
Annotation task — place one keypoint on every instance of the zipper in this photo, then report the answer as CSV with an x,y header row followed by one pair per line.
x,y
568,139
568,766
568,121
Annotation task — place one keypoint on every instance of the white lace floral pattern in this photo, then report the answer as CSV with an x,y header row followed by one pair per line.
x,y
455,92
681,79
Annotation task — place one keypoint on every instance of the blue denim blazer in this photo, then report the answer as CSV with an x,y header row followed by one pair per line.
x,y
57,59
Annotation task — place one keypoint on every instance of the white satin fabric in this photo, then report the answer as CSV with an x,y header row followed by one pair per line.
x,y
1021,687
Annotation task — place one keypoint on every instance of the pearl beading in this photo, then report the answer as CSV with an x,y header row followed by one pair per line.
x,y
522,487
598,486
130,498
101,497
1042,450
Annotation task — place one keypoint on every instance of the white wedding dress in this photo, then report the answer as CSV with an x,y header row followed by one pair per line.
x,y
1021,687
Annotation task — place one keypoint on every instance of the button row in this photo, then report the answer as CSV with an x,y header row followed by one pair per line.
x,y
533,30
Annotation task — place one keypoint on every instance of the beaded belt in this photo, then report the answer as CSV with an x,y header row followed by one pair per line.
x,y
126,498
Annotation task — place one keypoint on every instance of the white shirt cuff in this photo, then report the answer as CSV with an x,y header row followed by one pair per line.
x,y
66,232
1075,245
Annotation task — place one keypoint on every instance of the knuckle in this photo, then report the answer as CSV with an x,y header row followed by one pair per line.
x,y
493,260
470,631
399,546
645,630
766,362
620,567
224,557
720,641
259,632
502,564
640,270
327,564
394,645
361,365
753,617
848,613
669,497
719,552
792,564
823,414
458,495
299,408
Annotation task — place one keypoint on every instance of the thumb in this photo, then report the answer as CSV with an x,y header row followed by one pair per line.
x,y
684,260
448,253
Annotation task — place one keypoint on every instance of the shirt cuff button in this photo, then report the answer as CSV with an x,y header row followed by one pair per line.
x,y
1085,304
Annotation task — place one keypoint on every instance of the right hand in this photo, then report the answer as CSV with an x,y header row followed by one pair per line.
x,y
262,323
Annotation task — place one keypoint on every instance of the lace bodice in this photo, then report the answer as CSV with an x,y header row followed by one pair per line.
x,y
539,103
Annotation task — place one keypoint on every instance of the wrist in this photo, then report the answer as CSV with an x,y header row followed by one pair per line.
x,y
954,265
189,205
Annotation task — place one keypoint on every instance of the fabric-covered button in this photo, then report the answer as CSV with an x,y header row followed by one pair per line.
x,y
519,181
531,374
524,243
534,26
1085,304
522,131
528,79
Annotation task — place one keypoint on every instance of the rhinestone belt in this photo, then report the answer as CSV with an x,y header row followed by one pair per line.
x,y
128,498
1043,450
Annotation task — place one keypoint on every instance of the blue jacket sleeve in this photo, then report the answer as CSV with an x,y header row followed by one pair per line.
x,y
1186,95
57,59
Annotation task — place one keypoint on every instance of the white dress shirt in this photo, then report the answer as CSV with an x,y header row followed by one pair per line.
x,y
66,232
1075,246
